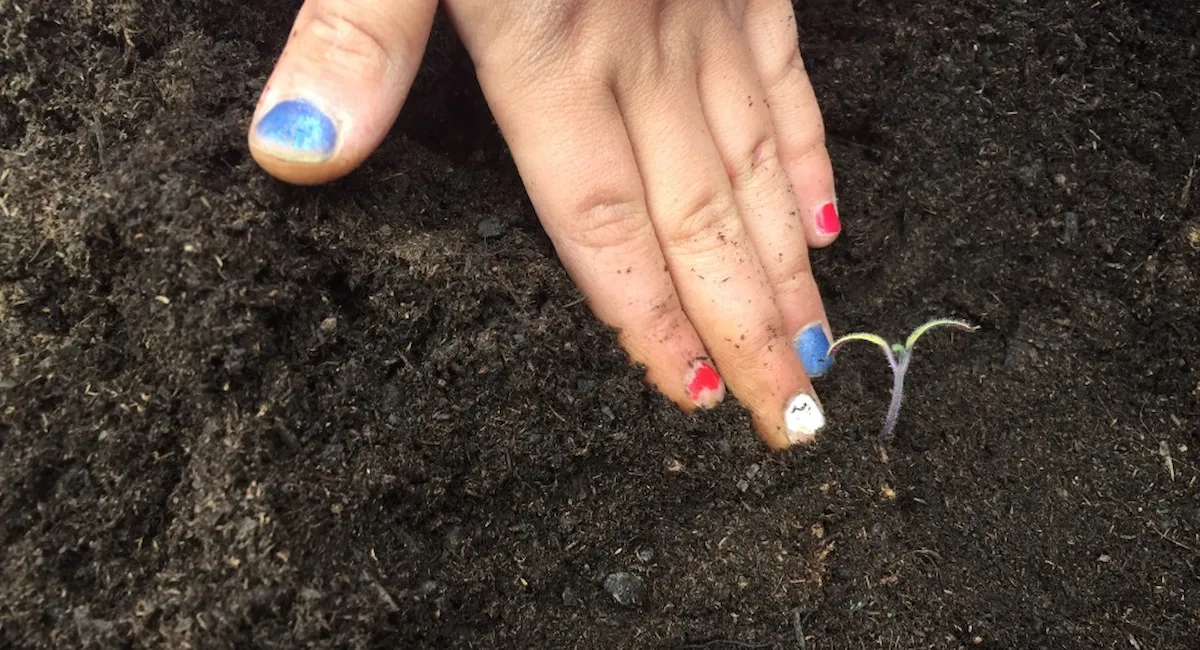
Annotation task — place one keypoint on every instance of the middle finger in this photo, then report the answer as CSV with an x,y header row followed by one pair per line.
x,y
736,109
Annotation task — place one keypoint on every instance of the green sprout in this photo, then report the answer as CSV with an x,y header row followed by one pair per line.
x,y
898,356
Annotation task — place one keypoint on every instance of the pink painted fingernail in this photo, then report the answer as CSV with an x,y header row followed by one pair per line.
x,y
827,220
704,385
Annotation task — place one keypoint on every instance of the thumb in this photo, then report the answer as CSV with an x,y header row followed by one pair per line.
x,y
338,86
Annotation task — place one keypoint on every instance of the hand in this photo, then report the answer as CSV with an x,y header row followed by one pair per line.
x,y
673,150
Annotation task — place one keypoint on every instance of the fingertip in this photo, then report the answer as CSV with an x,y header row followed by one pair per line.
x,y
298,141
704,386
338,86
825,224
812,346
803,418
297,129
678,369
667,385
772,435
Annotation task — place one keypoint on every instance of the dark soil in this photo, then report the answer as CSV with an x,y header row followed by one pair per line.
x,y
376,414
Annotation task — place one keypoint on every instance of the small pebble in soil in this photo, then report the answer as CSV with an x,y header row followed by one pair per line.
x,y
1070,227
331,451
454,536
645,555
1029,174
308,593
1192,234
91,630
490,227
625,588
570,598
1021,353
329,324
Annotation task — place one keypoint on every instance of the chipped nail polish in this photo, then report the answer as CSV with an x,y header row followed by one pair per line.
x,y
812,346
704,385
827,220
803,418
295,129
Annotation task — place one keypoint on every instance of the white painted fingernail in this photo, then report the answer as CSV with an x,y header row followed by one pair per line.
x,y
803,417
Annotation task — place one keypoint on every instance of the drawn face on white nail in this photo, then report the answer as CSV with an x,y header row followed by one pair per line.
x,y
803,416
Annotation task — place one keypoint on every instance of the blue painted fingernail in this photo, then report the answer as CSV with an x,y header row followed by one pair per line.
x,y
297,130
812,346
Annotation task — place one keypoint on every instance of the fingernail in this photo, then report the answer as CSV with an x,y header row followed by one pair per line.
x,y
812,346
295,129
804,418
827,220
704,385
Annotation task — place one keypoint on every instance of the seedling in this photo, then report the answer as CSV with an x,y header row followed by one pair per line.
x,y
898,355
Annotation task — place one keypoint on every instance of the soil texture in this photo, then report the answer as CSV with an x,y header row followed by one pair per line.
x,y
376,414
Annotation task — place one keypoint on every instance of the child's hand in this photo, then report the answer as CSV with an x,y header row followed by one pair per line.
x,y
673,149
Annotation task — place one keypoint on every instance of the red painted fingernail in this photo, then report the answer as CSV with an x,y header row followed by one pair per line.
x,y
827,220
704,384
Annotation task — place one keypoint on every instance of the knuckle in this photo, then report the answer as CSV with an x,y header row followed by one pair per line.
x,y
705,224
804,141
796,63
562,38
664,321
789,79
794,283
755,348
807,146
350,46
610,224
784,65
757,161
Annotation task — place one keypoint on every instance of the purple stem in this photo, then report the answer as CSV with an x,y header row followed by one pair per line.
x,y
899,369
